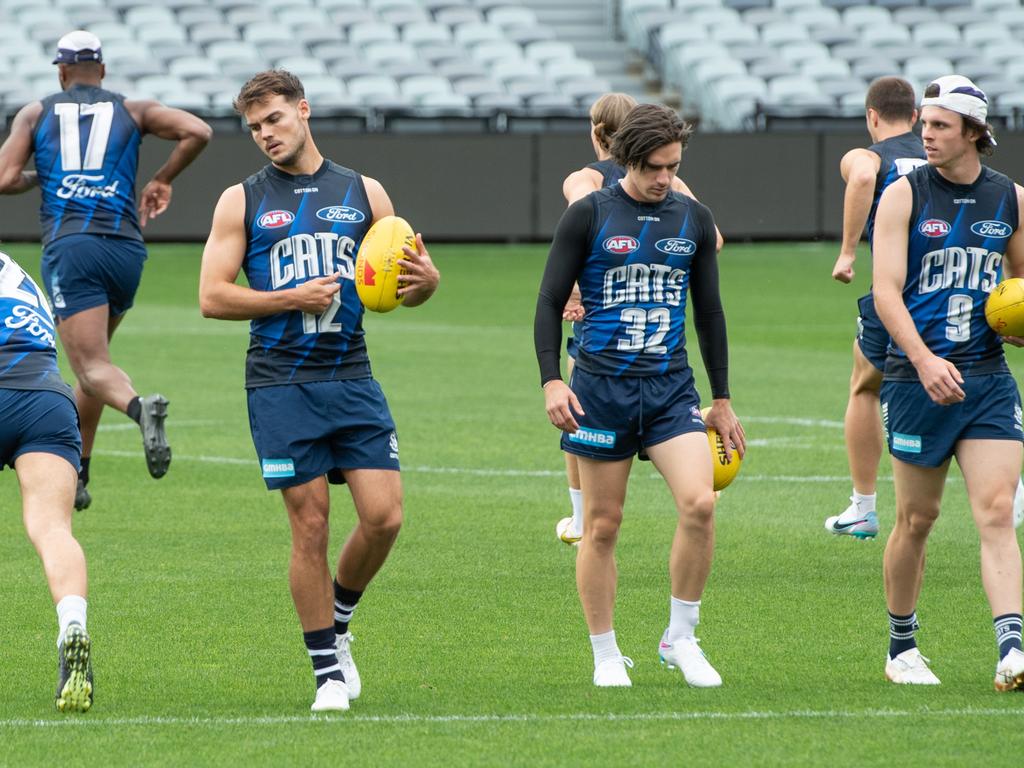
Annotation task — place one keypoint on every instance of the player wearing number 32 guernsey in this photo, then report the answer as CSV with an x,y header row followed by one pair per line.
x,y
316,413
635,249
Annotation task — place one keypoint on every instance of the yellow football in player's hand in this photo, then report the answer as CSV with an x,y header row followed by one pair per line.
x,y
725,471
1004,309
377,268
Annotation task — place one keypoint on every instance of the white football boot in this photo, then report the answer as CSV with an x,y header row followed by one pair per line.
x,y
611,673
332,696
566,533
343,650
1018,505
852,522
1010,671
686,655
910,668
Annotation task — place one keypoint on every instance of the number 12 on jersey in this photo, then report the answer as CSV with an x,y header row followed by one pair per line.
x,y
324,322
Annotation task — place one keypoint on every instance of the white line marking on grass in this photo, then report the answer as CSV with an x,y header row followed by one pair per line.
x,y
798,714
797,422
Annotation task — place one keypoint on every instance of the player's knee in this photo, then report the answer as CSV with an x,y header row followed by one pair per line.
x,y
602,526
699,511
918,519
310,532
384,524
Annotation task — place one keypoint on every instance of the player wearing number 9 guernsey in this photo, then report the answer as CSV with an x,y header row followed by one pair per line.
x,y
944,236
635,249
316,414
86,144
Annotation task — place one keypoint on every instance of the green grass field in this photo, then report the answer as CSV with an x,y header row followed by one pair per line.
x,y
471,641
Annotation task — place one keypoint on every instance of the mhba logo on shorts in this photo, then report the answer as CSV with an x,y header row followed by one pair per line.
x,y
906,443
934,228
599,438
991,228
620,244
676,246
278,467
275,219
341,213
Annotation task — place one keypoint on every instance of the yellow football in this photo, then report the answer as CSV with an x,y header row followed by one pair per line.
x,y
1004,309
377,268
725,471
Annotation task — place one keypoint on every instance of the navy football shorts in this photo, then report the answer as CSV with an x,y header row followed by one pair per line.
x,y
304,431
872,337
626,413
81,272
38,421
918,431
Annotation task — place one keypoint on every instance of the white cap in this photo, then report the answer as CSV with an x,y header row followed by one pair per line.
x,y
78,46
958,94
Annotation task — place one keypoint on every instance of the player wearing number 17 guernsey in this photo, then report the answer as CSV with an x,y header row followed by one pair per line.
x,y
944,235
635,249
316,414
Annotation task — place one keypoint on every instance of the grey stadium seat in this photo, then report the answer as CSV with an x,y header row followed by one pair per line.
x,y
935,33
212,32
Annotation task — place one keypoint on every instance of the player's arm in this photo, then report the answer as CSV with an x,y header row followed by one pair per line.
x,y
421,277
678,185
17,149
859,168
565,262
579,184
709,321
1013,259
191,134
939,377
221,297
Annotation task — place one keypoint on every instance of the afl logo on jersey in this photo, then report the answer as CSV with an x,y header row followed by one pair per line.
x,y
620,244
341,213
991,228
934,228
676,246
275,219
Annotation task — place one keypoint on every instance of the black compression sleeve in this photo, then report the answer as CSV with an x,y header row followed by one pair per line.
x,y
708,315
565,261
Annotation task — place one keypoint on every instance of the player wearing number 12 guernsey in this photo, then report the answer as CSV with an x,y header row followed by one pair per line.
x,y
635,249
316,414
86,144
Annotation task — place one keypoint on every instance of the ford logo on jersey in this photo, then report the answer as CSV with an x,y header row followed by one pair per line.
x,y
275,219
341,213
620,244
934,228
676,246
991,228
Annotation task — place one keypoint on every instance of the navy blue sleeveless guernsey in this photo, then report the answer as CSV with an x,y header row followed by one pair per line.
x,y
28,350
611,172
634,282
300,228
87,152
900,155
958,234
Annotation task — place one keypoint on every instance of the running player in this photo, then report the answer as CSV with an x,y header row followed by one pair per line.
x,y
316,413
634,249
39,438
86,145
943,234
606,114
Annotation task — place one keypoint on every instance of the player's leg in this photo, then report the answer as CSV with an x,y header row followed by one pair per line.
x,y
309,579
570,529
991,471
685,463
604,495
918,497
47,483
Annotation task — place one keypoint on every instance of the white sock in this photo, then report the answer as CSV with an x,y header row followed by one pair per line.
x,y
605,647
576,497
865,502
70,609
683,619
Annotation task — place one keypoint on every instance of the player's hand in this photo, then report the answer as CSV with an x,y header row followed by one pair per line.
x,y
941,380
724,421
561,402
316,295
1016,341
843,269
153,201
573,311
421,277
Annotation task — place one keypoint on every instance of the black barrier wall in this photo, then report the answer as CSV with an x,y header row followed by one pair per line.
x,y
508,187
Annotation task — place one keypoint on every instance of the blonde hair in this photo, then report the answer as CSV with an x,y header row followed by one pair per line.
x,y
607,114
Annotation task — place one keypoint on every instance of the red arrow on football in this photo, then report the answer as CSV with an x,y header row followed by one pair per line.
x,y
369,275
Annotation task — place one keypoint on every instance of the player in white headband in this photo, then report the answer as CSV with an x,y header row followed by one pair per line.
x,y
958,94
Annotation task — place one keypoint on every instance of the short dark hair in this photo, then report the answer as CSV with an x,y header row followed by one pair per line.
x,y
261,86
647,127
892,98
